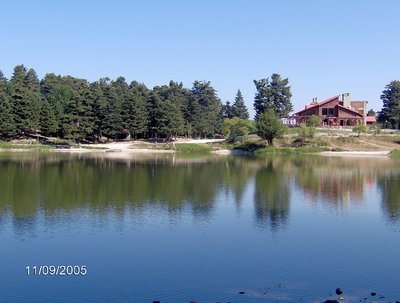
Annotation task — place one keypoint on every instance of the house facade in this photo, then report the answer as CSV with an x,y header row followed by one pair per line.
x,y
336,111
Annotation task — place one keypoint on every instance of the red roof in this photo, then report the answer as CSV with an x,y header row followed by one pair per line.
x,y
370,119
317,104
350,110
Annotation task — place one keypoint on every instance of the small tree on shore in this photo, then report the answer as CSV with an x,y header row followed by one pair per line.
x,y
237,127
269,126
313,121
359,129
305,132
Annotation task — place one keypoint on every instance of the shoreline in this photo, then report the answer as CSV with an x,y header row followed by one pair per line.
x,y
222,152
141,147
380,153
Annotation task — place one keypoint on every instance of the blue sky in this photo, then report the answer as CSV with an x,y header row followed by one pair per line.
x,y
324,47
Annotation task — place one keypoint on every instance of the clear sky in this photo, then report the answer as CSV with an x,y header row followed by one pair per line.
x,y
324,47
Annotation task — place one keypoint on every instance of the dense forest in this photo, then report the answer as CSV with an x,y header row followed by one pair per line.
x,y
79,110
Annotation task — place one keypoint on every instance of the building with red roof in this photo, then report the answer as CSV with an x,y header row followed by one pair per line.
x,y
336,111
370,120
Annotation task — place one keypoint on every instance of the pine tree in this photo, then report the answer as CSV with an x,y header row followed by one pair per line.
x,y
239,107
274,94
99,108
176,122
56,92
47,123
113,124
33,95
139,116
158,120
21,104
7,126
228,111
208,119
3,83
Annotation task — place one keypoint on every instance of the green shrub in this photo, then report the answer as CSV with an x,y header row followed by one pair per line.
x,y
60,142
306,132
376,129
237,127
313,121
359,129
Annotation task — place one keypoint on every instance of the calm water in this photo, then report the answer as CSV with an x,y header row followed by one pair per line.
x,y
175,229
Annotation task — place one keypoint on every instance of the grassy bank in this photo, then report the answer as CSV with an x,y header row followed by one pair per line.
x,y
395,153
11,146
190,148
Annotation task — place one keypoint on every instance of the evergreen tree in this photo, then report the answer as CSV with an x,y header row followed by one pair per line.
x,y
390,113
7,126
32,86
176,122
77,119
274,94
3,83
239,107
206,117
158,120
21,104
228,111
47,123
139,117
178,99
113,124
371,113
56,92
99,108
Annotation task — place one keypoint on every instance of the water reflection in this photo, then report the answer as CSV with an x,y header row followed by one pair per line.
x,y
51,184
272,195
390,190
334,182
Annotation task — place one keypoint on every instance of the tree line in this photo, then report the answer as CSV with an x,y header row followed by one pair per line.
x,y
76,109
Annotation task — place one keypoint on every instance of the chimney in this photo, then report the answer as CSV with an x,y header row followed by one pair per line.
x,y
346,97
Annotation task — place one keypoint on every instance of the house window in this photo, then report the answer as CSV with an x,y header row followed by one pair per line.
x,y
328,111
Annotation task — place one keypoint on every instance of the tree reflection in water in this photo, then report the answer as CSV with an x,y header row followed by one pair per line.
x,y
33,184
390,190
272,196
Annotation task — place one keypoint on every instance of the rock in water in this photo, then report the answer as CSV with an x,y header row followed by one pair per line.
x,y
241,292
373,293
331,301
339,291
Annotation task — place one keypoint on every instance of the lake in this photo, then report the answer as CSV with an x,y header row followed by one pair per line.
x,y
173,228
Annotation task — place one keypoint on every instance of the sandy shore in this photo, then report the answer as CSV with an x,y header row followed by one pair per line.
x,y
140,147
356,153
137,147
